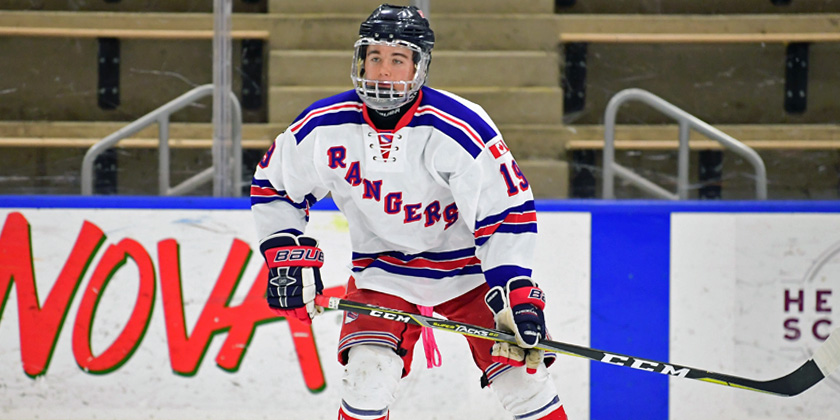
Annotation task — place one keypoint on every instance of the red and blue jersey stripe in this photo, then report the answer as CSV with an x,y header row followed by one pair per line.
x,y
431,265
262,191
454,119
344,108
446,114
515,220
495,369
368,337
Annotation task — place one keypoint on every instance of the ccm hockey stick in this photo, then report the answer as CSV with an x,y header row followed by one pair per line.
x,y
826,359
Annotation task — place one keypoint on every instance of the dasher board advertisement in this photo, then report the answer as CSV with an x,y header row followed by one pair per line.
x,y
152,308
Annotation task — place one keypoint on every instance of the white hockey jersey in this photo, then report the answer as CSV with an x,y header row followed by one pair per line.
x,y
435,207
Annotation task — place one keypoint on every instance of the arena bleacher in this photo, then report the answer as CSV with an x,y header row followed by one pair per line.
x,y
725,62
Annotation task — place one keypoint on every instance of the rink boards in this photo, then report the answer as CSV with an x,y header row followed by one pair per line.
x,y
138,308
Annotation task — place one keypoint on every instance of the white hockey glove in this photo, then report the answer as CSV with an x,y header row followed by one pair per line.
x,y
518,308
294,275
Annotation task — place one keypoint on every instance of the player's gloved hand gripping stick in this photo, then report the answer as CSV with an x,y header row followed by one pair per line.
x,y
294,275
518,308
826,358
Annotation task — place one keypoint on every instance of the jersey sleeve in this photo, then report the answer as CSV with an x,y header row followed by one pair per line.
x,y
496,200
285,186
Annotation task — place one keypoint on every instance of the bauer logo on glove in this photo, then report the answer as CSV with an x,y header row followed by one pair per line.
x,y
297,257
294,275
537,294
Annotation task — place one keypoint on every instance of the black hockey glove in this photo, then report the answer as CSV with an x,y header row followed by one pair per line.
x,y
518,308
294,275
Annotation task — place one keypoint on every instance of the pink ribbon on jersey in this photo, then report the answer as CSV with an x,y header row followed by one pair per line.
x,y
430,347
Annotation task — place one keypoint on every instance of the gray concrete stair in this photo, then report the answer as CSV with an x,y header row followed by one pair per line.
x,y
500,54
449,68
471,32
548,178
437,7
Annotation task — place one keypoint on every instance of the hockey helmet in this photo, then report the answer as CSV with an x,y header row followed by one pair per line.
x,y
395,26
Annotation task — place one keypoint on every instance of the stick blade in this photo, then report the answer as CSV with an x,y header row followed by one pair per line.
x,y
827,356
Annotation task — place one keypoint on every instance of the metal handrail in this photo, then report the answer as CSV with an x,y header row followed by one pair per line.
x,y
423,5
686,123
161,117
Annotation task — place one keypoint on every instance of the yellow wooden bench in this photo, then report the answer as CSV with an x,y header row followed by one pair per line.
x,y
128,25
85,134
571,28
666,137
699,28
764,28
259,136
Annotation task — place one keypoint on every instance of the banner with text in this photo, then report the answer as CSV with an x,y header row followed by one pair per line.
x,y
154,309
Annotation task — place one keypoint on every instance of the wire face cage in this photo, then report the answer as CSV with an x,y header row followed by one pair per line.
x,y
385,95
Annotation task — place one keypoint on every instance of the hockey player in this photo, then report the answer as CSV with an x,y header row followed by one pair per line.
x,y
441,219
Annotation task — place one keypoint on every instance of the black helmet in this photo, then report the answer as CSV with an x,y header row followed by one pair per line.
x,y
407,23
397,26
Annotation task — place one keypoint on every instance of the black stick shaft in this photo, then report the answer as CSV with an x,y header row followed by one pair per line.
x,y
791,384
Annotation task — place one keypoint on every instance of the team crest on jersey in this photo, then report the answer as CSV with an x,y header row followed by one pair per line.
x,y
386,138
350,317
499,149
385,141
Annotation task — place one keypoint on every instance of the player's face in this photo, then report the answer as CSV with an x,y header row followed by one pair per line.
x,y
384,63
